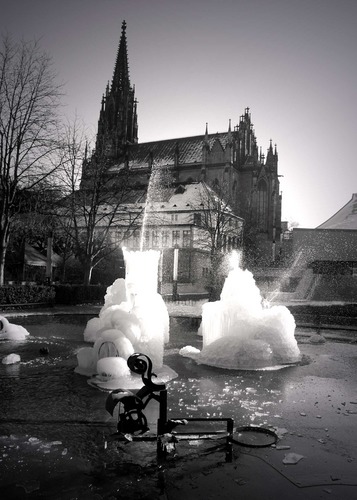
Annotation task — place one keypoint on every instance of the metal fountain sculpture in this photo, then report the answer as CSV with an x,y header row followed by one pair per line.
x,y
132,422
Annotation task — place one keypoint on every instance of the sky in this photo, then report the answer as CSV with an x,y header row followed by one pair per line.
x,y
292,62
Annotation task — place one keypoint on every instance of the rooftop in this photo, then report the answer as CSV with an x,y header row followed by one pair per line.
x,y
345,218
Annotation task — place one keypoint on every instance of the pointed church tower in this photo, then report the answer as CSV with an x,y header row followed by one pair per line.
x,y
271,161
117,124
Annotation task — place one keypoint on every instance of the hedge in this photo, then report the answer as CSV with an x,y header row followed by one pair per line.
x,y
26,294
79,294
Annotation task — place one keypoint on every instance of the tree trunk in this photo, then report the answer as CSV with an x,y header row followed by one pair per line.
x,y
2,263
4,240
216,277
88,268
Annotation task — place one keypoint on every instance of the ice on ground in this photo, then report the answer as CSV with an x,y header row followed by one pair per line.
x,y
189,350
9,331
11,359
292,458
241,332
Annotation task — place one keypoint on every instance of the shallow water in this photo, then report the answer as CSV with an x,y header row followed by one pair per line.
x,y
54,425
50,412
44,387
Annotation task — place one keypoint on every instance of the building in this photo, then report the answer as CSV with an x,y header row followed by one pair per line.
x,y
229,162
326,257
323,263
188,220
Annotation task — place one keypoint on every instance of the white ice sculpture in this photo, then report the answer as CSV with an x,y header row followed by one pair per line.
x,y
241,333
9,331
134,318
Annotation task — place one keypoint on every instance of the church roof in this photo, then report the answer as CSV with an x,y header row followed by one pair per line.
x,y
195,196
189,150
345,218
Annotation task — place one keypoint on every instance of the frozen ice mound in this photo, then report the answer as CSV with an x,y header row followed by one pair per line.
x,y
9,331
241,333
134,318
11,359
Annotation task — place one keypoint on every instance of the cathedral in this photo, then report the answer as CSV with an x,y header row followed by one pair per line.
x,y
229,162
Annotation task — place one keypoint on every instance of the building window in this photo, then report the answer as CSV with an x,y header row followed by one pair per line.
x,y
186,238
147,239
155,238
136,238
165,238
175,238
354,269
197,219
118,236
205,272
174,217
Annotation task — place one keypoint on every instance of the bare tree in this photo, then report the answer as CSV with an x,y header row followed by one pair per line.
x,y
97,201
29,100
219,231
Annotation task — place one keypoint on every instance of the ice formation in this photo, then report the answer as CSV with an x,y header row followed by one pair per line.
x,y
240,332
9,331
11,359
134,318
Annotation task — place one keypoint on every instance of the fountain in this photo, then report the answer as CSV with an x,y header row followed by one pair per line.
x,y
241,332
134,318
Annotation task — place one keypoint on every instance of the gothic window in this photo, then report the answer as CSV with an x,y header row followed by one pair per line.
x,y
262,204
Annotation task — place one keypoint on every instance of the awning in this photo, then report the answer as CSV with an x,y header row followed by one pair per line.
x,y
34,258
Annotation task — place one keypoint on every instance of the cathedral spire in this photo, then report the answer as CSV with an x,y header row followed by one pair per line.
x,y
117,125
121,78
229,133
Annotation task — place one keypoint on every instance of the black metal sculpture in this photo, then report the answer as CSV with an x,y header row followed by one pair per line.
x,y
132,422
